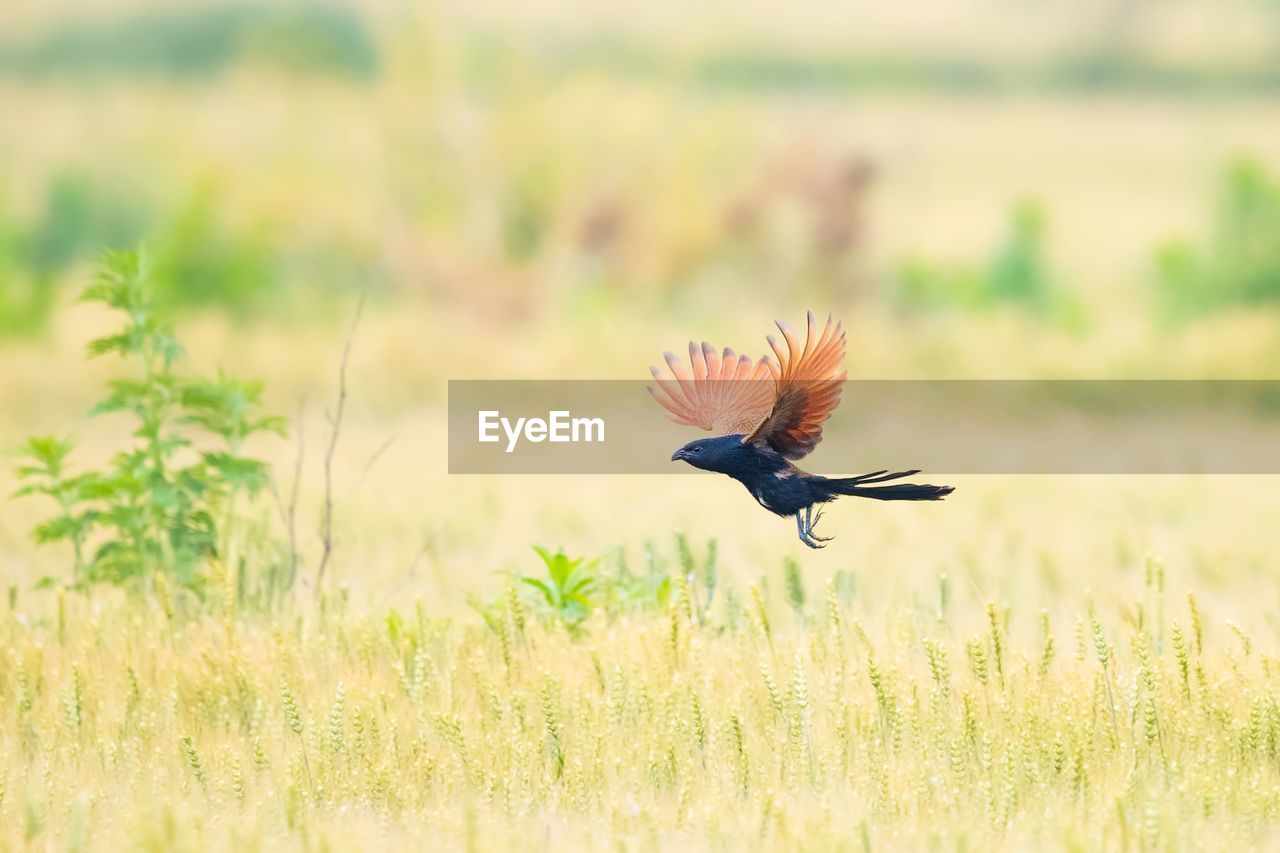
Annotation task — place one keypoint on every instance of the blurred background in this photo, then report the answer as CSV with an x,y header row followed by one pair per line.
x,y
986,188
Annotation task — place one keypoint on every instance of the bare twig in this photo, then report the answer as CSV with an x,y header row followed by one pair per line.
x,y
293,495
335,429
368,466
417,558
289,512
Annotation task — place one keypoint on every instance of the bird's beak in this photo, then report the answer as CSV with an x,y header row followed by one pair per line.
x,y
679,454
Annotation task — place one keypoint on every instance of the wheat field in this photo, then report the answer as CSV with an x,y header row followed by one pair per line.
x,y
778,718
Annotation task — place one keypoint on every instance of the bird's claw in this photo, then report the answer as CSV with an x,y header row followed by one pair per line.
x,y
816,518
804,527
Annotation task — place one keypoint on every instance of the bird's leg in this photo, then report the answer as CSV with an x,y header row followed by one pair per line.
x,y
804,533
809,524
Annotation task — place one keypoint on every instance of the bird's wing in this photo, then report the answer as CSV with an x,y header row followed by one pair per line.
x,y
807,392
726,393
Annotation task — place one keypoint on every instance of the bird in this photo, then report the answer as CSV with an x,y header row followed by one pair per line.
x,y
766,414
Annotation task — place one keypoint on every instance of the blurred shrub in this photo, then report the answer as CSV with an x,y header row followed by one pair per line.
x,y
1016,274
199,257
80,219
202,40
766,66
755,67
199,260
1239,262
526,211
25,300
77,221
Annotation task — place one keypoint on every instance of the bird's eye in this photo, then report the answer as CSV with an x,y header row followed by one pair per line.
x,y
697,449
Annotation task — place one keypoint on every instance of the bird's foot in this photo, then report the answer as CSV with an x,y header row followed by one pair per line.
x,y
814,523
816,544
804,529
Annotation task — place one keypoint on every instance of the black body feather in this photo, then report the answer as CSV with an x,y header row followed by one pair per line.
x,y
783,489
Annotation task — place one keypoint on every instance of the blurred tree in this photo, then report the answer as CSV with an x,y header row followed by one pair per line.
x,y
200,40
1239,262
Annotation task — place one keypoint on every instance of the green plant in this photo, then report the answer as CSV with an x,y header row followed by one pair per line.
x,y
169,502
44,470
569,591
575,589
630,591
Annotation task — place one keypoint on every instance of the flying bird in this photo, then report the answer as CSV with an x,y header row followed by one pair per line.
x,y
766,414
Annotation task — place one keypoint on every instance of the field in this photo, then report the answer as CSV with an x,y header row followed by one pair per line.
x,y
520,193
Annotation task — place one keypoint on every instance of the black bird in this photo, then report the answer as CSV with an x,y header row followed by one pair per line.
x,y
765,415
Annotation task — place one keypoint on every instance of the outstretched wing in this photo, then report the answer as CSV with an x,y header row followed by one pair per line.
x,y
726,393
808,389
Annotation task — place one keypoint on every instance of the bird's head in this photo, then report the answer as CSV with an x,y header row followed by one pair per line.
x,y
710,454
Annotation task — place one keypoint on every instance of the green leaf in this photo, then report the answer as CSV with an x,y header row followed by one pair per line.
x,y
103,488
169,348
664,592
276,424
487,612
395,625
544,554
125,394
541,587
48,449
239,472
124,343
54,530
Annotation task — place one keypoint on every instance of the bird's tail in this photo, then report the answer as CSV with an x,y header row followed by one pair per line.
x,y
863,487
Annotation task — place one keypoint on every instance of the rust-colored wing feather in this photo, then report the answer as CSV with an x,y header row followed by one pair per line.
x,y
726,393
808,389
